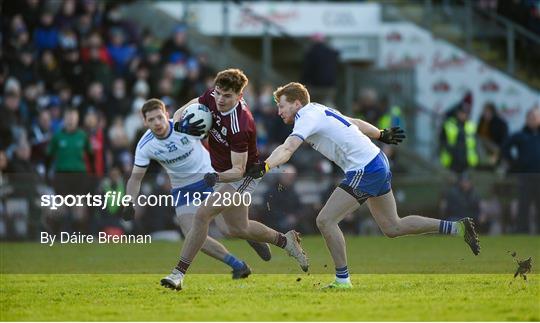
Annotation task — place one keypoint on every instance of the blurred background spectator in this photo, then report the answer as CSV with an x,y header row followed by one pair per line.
x,y
458,149
460,200
319,72
283,202
492,132
522,151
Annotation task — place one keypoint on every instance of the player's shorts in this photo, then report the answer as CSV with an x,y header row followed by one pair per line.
x,y
244,185
186,199
373,180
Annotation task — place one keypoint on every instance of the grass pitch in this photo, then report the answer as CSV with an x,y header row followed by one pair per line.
x,y
411,278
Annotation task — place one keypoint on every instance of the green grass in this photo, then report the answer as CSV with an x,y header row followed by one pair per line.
x,y
268,298
405,279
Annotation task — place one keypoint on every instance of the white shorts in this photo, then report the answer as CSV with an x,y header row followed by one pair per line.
x,y
186,209
244,185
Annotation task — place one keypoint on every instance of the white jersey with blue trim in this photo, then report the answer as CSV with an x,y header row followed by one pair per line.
x,y
330,133
184,157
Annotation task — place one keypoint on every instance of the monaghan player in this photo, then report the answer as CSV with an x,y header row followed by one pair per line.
x,y
343,140
233,149
186,161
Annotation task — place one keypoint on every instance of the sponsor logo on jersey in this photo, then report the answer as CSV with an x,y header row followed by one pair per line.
x,y
224,131
214,133
177,159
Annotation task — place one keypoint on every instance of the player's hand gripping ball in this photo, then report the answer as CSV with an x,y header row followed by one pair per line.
x,y
196,120
392,136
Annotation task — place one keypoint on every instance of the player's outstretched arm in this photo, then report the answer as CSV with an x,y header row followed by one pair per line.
x,y
366,128
283,153
132,189
178,114
391,136
279,156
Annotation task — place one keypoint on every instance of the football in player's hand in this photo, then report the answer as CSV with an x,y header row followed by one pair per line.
x,y
196,120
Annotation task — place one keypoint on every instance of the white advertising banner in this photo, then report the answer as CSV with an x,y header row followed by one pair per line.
x,y
444,73
174,9
296,18
356,48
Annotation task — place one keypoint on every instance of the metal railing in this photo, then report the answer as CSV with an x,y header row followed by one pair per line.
x,y
513,32
497,40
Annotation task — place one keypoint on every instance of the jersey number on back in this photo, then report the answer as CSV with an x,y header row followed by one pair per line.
x,y
339,117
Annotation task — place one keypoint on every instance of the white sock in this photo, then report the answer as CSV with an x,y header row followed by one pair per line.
x,y
343,280
448,227
453,230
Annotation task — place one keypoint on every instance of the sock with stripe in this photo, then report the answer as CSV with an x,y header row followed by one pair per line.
x,y
234,262
448,227
342,275
281,240
183,265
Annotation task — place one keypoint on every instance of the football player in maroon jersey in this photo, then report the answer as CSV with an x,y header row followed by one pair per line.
x,y
233,149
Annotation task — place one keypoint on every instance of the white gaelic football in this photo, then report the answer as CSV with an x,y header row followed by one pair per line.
x,y
200,112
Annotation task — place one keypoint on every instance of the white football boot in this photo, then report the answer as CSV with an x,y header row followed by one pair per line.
x,y
295,250
173,280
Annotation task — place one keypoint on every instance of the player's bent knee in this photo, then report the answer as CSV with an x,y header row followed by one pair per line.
x,y
391,229
391,232
324,222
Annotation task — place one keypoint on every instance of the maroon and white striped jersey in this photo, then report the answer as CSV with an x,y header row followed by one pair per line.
x,y
231,131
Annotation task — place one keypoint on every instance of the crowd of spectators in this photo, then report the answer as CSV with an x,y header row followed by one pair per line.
x,y
466,145
78,66
80,62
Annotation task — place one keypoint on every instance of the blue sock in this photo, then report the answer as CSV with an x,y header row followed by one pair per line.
x,y
234,262
445,227
342,274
